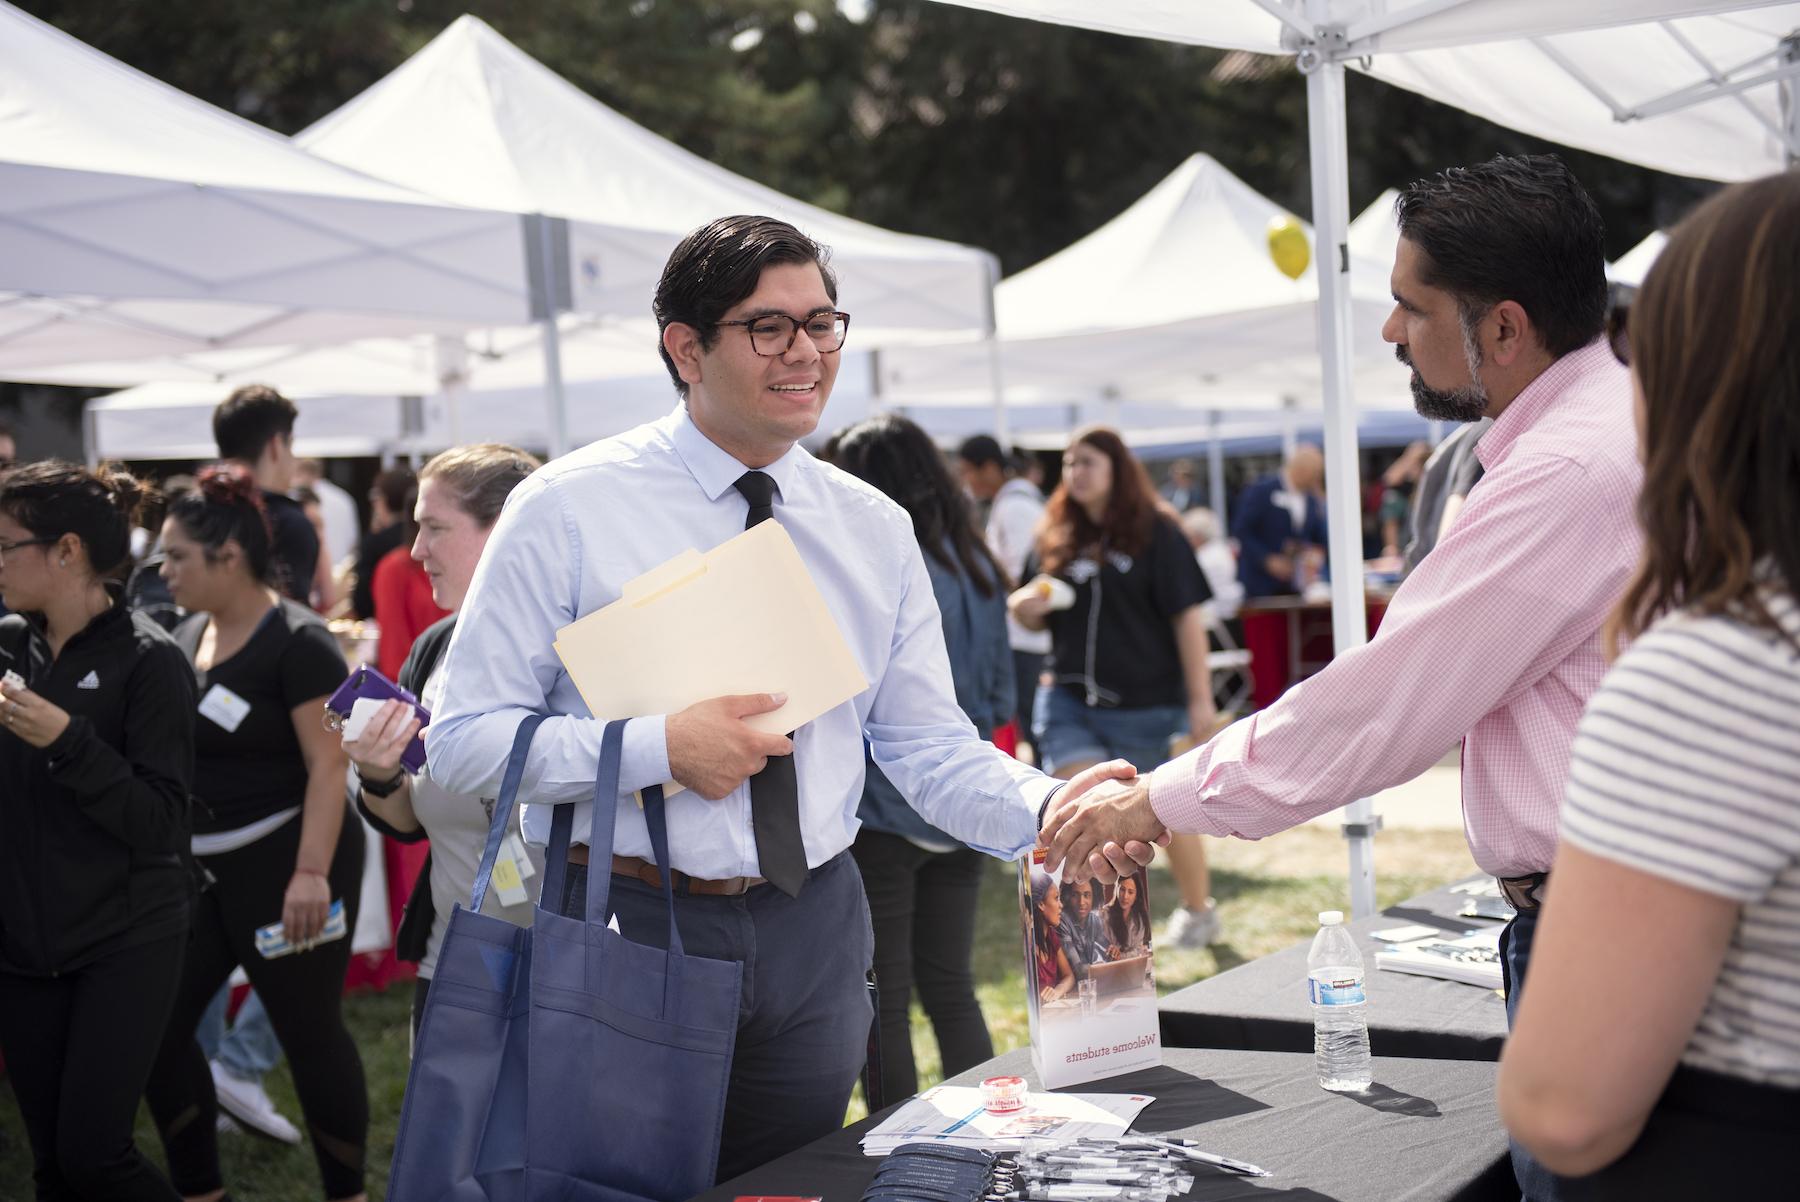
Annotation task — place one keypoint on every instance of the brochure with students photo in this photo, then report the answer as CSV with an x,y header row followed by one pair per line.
x,y
1089,985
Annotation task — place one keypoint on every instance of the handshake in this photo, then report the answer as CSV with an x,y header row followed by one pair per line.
x,y
1101,825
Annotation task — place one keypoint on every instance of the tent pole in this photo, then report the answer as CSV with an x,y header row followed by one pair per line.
x,y
1790,100
1215,470
1326,134
547,270
1002,432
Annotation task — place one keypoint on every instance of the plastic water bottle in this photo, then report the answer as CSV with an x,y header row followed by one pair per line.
x,y
1334,972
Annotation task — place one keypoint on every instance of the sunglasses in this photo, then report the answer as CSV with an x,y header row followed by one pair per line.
x,y
1618,331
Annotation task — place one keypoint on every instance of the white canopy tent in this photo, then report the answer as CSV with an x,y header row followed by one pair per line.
x,y
1634,264
1697,87
136,220
474,119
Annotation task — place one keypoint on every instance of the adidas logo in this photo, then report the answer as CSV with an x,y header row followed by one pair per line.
x,y
90,681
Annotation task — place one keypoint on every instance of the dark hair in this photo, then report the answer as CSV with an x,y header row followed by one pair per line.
x,y
981,450
53,497
1518,228
1131,507
1117,920
897,457
398,488
1713,345
480,477
226,506
246,420
719,265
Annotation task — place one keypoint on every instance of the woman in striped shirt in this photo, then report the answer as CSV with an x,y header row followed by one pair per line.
x,y
1657,1049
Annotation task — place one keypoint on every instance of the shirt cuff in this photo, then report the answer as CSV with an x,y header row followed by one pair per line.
x,y
1173,800
643,754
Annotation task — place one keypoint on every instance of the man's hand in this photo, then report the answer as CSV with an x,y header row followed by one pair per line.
x,y
1102,823
1280,566
712,750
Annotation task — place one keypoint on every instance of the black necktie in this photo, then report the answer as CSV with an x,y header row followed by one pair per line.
x,y
775,791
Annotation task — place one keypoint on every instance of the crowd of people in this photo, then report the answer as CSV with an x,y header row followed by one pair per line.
x,y
1600,611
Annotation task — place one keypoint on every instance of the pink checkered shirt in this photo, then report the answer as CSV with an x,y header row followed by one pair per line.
x,y
1493,640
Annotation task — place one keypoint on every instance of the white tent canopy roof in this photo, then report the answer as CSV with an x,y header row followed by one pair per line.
x,y
473,119
1634,264
1175,301
137,220
1569,72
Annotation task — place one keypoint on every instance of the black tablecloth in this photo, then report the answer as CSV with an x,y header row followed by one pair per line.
x,y
1427,1130
1263,1005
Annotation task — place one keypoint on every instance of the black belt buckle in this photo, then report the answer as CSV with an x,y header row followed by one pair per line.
x,y
1524,892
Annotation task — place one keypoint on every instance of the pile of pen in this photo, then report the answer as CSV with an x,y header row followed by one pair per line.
x,y
1137,1169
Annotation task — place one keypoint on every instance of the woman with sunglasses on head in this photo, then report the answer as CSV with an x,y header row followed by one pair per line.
x,y
460,495
96,754
1657,1050
1130,649
272,830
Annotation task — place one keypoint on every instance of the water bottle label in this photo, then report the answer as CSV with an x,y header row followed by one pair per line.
x,y
1345,992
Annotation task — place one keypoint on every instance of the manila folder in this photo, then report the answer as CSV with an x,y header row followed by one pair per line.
x,y
744,617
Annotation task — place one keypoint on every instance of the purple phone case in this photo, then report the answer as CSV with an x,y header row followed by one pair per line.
x,y
367,682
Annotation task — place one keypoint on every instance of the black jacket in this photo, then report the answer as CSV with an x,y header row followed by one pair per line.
x,y
94,829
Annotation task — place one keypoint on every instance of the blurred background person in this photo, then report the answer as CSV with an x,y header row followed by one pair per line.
x,y
923,886
1679,864
338,507
390,500
254,427
1218,562
1130,654
1279,526
324,585
460,495
273,831
145,589
1449,473
96,758
1398,485
403,595
1014,507
9,447
1182,491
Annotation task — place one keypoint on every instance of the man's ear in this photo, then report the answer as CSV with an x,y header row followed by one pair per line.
x,y
682,341
1512,332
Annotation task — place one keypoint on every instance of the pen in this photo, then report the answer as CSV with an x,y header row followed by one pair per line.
x,y
1242,1167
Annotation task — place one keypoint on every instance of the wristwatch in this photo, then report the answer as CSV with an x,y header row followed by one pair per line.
x,y
381,788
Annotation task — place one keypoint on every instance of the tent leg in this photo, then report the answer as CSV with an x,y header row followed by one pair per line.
x,y
1331,218
1790,100
1215,471
553,388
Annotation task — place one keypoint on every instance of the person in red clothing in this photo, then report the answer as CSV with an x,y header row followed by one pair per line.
x,y
403,604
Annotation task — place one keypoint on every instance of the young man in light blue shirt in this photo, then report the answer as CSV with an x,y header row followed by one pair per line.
x,y
751,335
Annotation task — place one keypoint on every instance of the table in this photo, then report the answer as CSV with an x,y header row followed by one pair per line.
x,y
1289,638
1427,1130
1263,1005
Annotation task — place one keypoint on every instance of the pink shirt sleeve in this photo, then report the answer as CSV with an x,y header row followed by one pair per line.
x,y
1510,593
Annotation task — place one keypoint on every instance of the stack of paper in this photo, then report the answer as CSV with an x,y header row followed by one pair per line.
x,y
953,1114
1472,959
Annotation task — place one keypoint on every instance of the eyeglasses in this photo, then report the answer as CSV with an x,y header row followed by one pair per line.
x,y
774,334
8,548
1618,331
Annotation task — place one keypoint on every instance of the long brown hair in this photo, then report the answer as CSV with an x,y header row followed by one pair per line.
x,y
1065,530
1714,346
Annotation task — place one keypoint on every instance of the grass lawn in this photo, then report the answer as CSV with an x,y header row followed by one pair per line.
x,y
1269,895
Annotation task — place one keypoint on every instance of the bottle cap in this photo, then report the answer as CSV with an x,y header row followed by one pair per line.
x,y
1003,1095
1331,918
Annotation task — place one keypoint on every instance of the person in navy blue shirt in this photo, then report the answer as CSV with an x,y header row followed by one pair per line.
x,y
1279,525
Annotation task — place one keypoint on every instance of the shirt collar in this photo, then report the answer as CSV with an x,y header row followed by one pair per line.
x,y
716,470
1536,399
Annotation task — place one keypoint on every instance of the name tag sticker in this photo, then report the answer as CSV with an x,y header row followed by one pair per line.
x,y
507,885
224,707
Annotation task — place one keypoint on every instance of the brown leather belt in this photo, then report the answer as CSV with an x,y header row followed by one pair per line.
x,y
1525,892
651,875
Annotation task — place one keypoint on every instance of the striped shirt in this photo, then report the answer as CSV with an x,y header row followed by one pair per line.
x,y
1687,767
1494,641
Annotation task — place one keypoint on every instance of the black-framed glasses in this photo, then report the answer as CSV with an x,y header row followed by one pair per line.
x,y
774,333
1618,331
8,548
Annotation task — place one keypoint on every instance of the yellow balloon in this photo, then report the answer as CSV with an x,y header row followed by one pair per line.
x,y
1288,246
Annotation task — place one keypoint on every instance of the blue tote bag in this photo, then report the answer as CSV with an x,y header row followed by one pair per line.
x,y
562,1061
